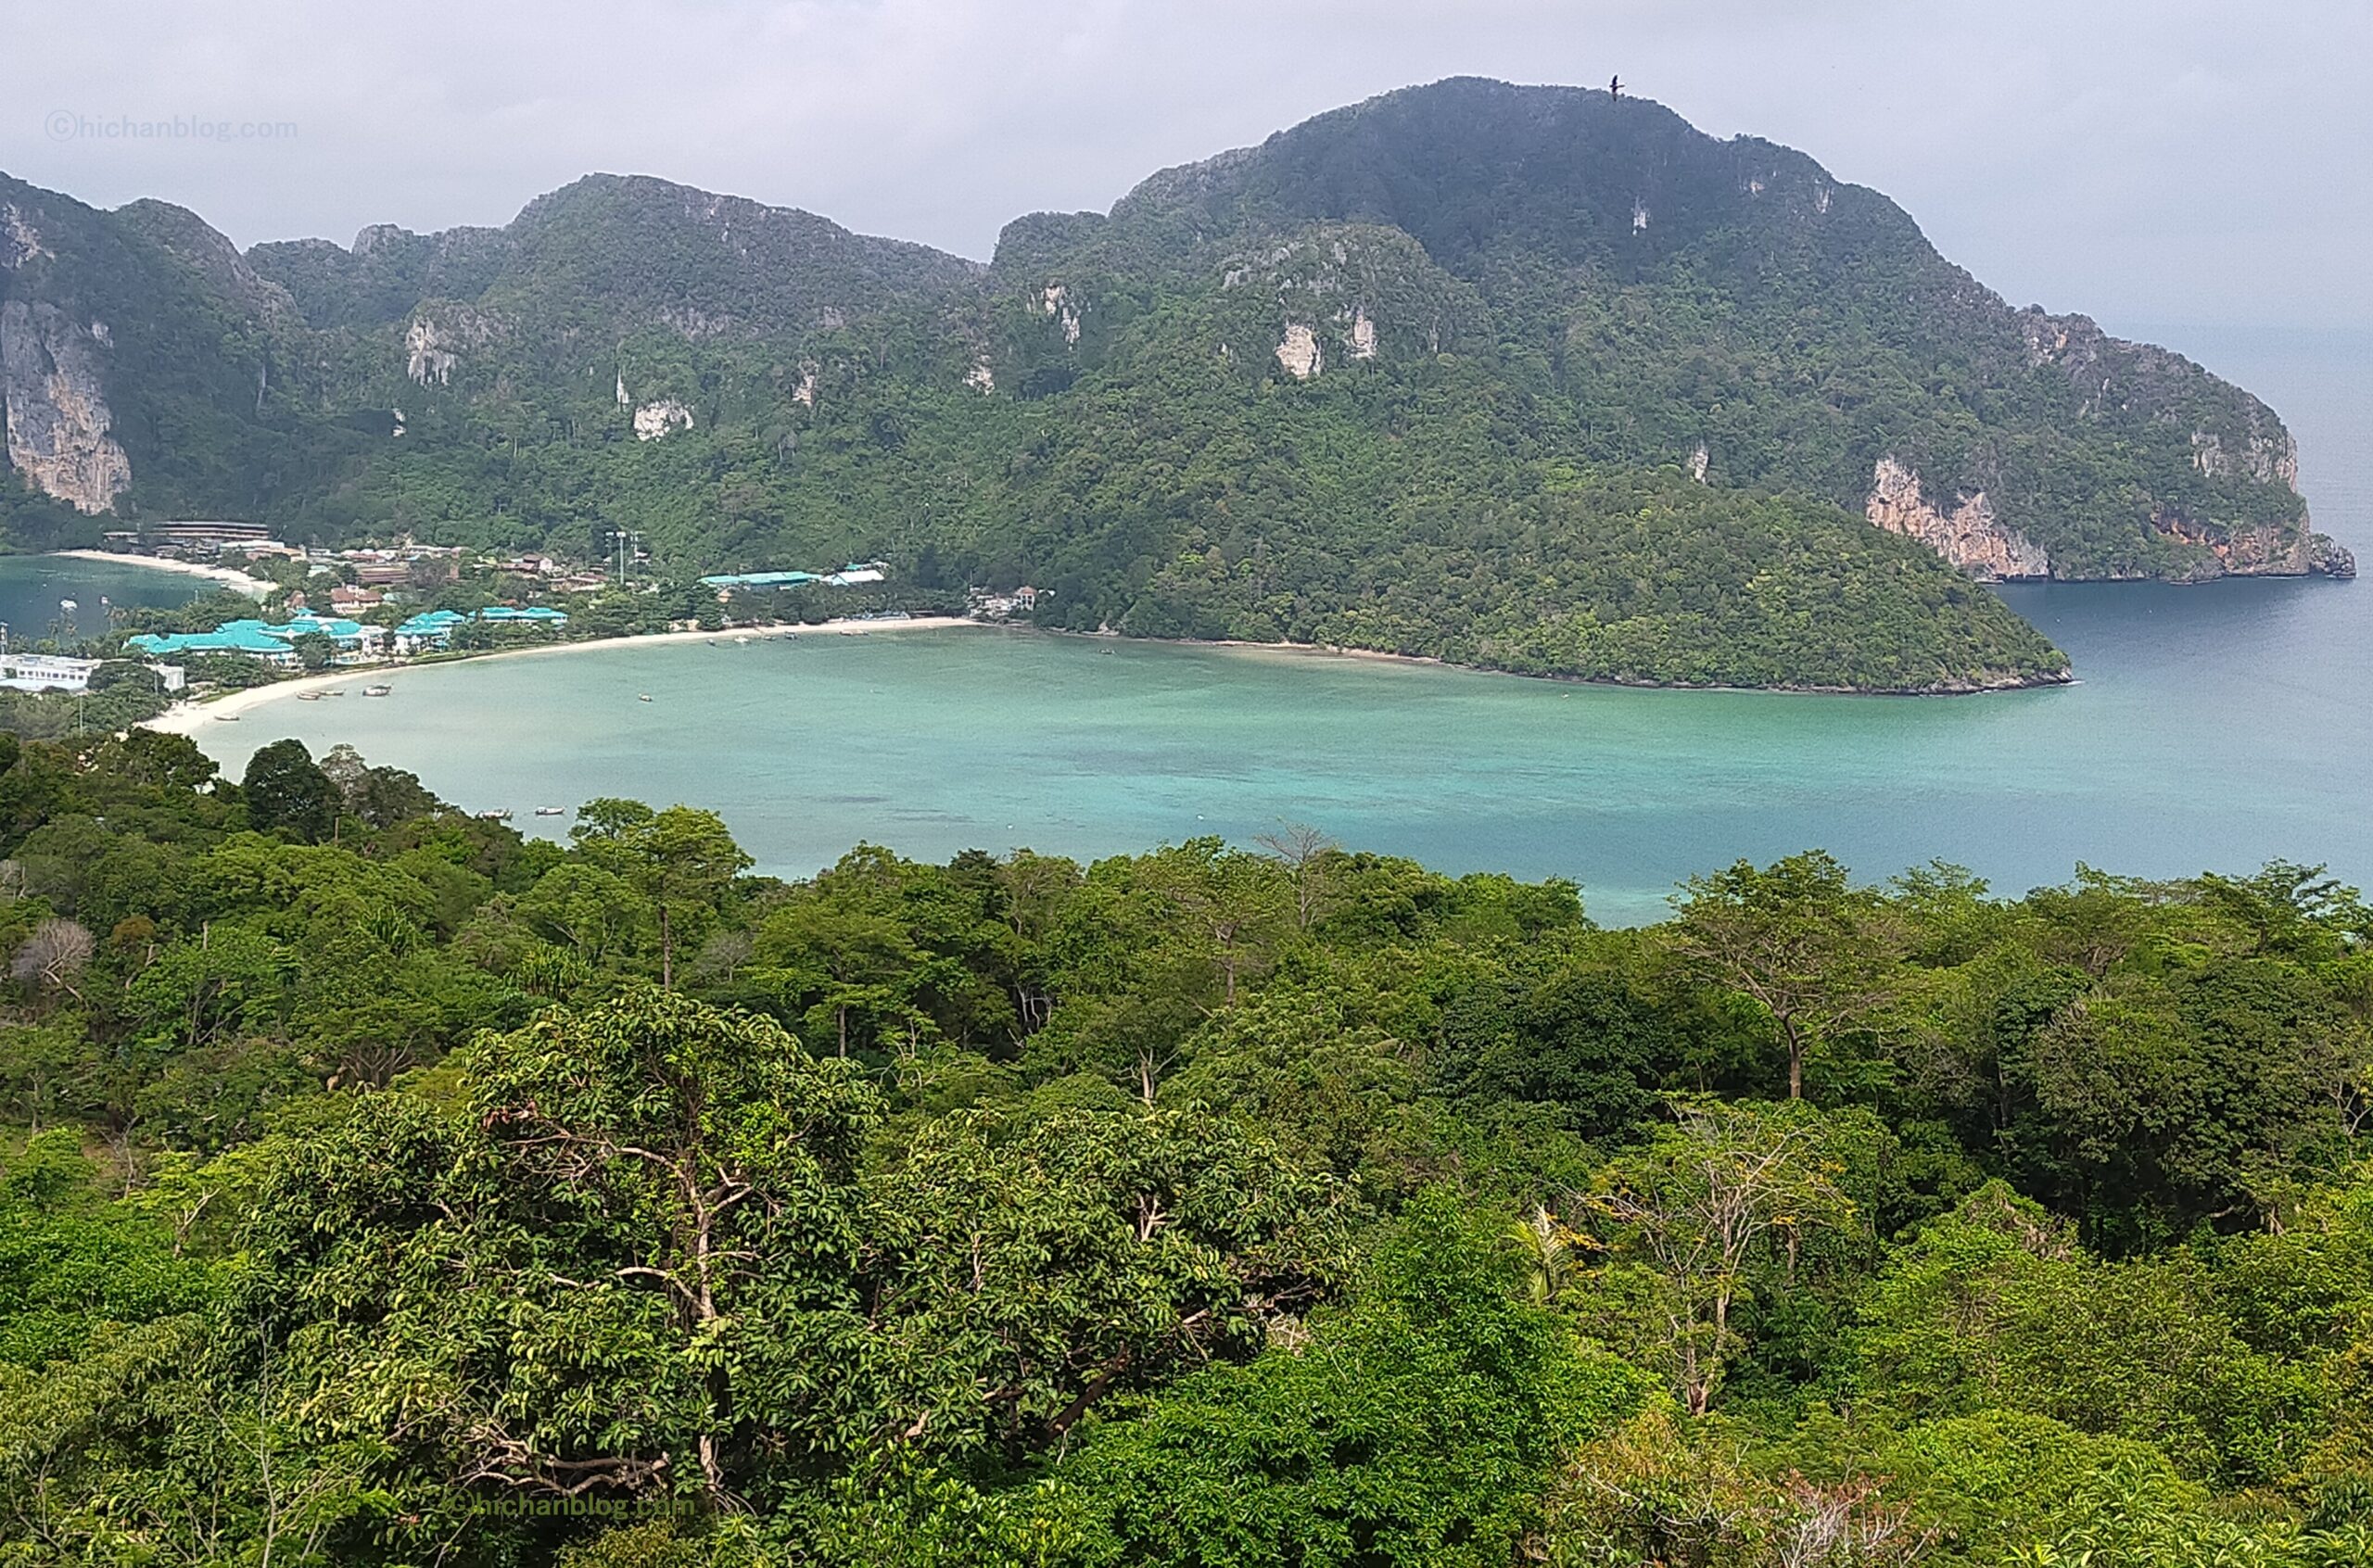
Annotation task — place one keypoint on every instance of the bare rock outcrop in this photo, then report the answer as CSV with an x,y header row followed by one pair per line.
x,y
57,413
1969,535
2255,549
656,421
434,341
1300,353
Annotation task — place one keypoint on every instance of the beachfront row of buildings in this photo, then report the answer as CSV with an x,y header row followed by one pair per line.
x,y
53,672
352,641
407,564
855,574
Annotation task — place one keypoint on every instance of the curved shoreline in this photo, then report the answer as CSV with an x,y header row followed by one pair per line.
x,y
1341,650
178,721
223,575
190,718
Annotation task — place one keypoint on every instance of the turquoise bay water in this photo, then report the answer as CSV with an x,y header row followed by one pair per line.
x,y
2214,728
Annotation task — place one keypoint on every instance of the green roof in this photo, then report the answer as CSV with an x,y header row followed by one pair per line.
x,y
762,579
231,636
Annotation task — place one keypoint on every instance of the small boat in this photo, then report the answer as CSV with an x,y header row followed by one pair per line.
x,y
552,811
308,696
68,604
377,690
739,640
226,718
644,698
499,813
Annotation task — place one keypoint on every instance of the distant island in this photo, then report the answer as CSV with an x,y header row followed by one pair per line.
x,y
1533,379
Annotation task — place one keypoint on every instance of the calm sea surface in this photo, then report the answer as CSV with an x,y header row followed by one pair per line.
x,y
2213,728
34,588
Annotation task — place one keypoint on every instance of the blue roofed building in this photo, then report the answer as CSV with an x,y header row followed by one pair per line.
x,y
433,629
257,640
761,580
430,628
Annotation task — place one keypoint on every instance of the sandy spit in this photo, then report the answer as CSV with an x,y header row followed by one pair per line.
x,y
189,718
223,575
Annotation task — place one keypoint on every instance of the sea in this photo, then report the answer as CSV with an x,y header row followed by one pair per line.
x,y
2212,727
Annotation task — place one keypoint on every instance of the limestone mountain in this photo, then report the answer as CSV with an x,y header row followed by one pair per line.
x,y
1732,308
1521,377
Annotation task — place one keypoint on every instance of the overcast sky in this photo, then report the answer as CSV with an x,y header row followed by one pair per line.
x,y
2149,162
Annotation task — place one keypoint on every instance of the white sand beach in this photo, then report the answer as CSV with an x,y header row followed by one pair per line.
x,y
223,575
189,718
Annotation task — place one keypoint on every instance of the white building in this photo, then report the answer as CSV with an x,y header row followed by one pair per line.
x,y
50,672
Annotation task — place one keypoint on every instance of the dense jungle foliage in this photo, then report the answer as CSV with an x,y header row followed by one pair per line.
x,y
1526,378
378,1186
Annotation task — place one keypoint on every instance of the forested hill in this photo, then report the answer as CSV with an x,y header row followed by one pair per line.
x,y
1522,378
380,1188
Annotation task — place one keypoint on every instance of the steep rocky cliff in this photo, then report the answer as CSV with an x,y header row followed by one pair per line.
x,y
52,394
1969,535
144,363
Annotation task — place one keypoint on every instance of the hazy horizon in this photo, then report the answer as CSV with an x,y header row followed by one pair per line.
x,y
2139,162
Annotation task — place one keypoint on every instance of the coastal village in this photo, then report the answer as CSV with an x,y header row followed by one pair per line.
x,y
328,610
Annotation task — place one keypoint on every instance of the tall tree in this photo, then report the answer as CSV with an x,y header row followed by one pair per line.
x,y
1797,940
287,792
682,860
645,1234
1698,1202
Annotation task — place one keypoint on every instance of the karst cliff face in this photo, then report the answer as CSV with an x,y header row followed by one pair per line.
x,y
51,390
1973,534
2263,550
1969,535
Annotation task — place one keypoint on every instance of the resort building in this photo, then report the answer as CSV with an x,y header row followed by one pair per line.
x,y
430,628
47,672
433,629
850,576
761,580
992,606
404,564
195,541
527,615
273,645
